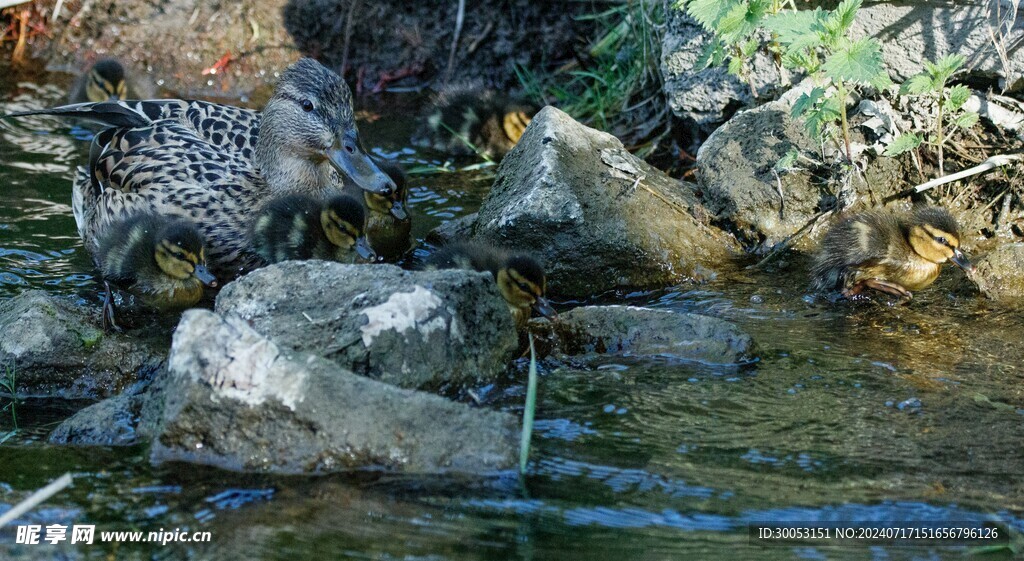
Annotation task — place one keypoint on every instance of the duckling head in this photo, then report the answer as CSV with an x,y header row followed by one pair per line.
x,y
522,283
935,236
515,121
393,203
106,81
180,254
342,219
309,131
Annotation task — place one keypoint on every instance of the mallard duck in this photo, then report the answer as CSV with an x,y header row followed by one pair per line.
x,y
388,222
468,120
886,251
520,278
103,81
162,260
214,164
299,226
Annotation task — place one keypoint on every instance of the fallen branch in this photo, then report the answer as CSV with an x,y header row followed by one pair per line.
x,y
989,164
36,498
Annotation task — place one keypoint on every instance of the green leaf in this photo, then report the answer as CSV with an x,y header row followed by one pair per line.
x,y
859,62
713,55
825,112
529,410
788,160
750,47
740,21
736,66
917,85
806,101
844,14
903,143
958,96
966,120
945,67
796,30
709,12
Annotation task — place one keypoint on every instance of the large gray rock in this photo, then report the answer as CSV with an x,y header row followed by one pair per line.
x,y
56,348
410,329
999,274
706,96
909,32
736,174
598,217
236,399
111,422
633,331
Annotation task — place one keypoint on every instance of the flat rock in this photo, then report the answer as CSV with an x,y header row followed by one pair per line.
x,y
999,273
111,422
235,399
413,329
597,217
635,331
55,348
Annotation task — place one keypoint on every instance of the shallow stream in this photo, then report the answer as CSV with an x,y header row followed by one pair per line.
x,y
865,412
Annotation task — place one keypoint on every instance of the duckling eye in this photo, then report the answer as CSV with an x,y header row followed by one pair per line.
x,y
942,240
307,105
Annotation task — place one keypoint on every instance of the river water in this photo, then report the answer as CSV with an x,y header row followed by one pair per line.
x,y
851,413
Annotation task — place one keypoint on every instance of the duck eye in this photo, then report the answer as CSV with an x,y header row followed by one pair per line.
x,y
307,105
942,240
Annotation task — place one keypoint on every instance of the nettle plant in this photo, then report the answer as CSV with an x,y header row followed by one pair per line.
x,y
818,43
736,27
949,106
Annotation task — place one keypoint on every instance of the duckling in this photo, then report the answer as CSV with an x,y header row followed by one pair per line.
x,y
160,259
104,81
520,277
468,120
301,226
388,223
889,252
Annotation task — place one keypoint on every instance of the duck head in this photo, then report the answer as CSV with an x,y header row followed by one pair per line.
x,y
106,81
180,253
522,283
308,134
935,236
342,219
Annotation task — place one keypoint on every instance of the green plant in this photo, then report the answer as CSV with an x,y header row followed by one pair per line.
x,y
818,42
8,385
949,104
735,26
528,411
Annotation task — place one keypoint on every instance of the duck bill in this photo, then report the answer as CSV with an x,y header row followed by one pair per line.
x,y
348,158
364,250
961,260
544,308
204,276
398,211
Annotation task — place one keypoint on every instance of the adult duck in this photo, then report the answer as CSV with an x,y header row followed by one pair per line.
x,y
217,165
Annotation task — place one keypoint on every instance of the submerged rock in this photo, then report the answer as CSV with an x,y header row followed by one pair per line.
x,y
999,274
111,422
410,329
633,331
598,217
235,399
55,348
736,172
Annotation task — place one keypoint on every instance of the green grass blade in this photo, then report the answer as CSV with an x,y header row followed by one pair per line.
x,y
528,411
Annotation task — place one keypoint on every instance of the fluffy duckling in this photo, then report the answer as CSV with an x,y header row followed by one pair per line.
x,y
299,226
104,81
520,277
388,223
889,252
468,120
160,259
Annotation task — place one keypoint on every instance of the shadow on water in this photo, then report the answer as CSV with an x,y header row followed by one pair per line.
x,y
853,412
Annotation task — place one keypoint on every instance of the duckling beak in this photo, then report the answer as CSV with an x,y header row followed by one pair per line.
x,y
364,250
398,211
961,260
348,158
204,276
543,307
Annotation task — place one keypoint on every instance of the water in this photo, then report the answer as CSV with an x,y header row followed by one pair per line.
x,y
851,413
